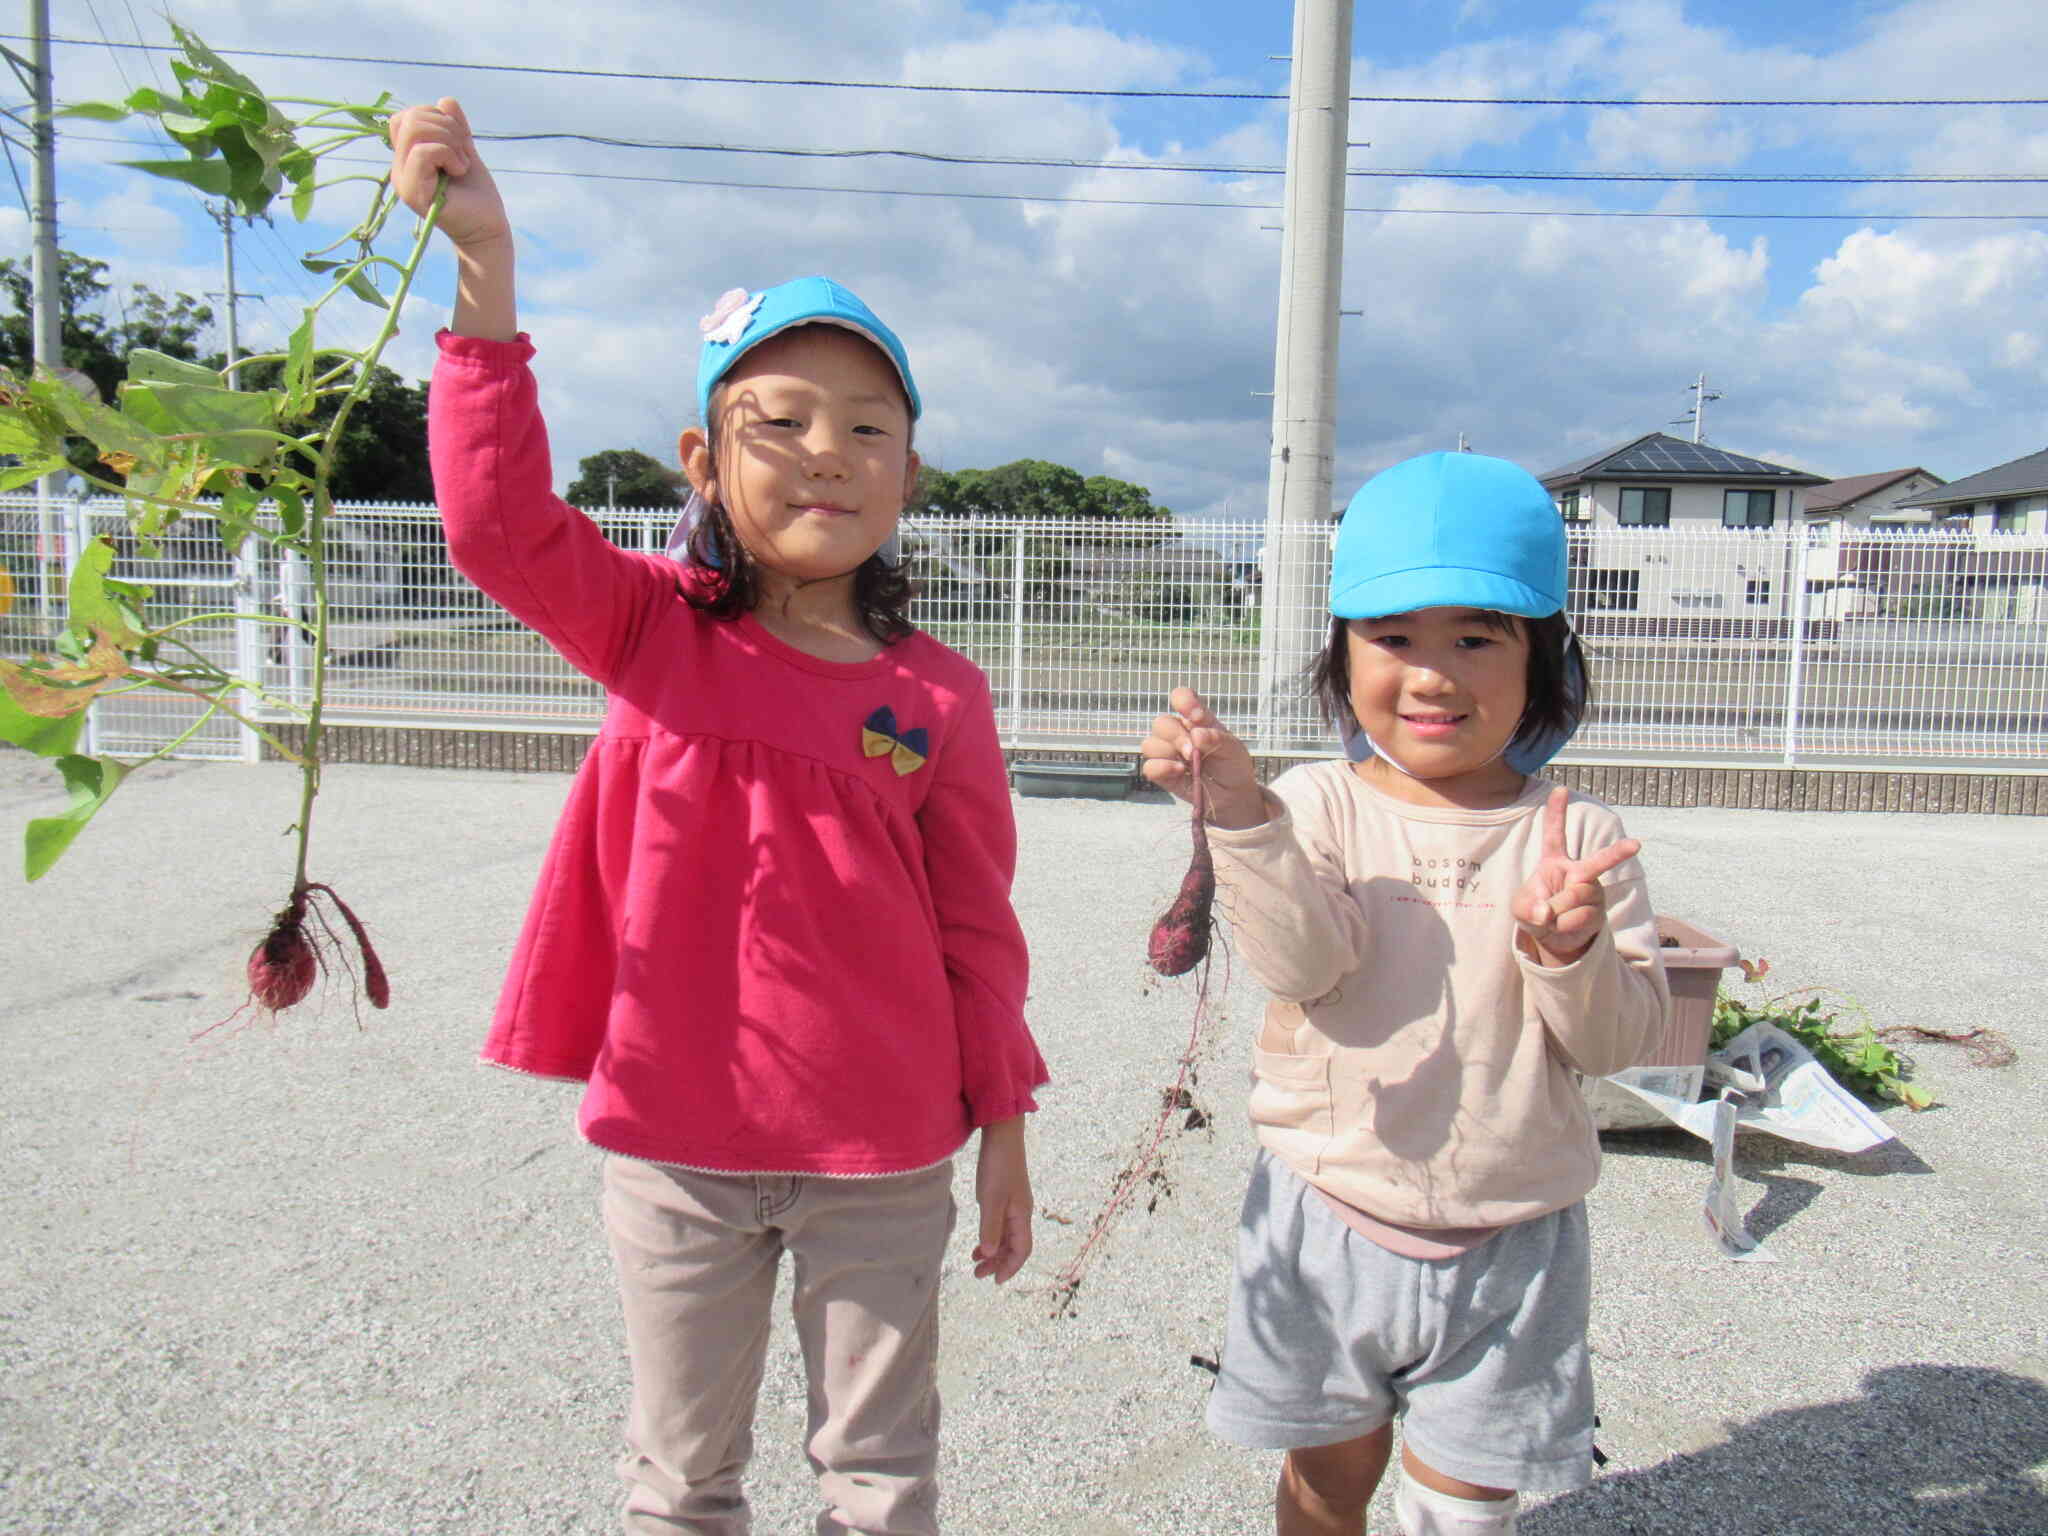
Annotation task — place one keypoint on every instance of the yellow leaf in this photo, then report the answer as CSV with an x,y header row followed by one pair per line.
x,y
42,701
6,590
105,657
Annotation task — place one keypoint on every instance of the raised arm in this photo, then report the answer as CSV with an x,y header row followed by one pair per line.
x,y
426,144
547,564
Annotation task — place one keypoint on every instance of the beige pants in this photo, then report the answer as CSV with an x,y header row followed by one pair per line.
x,y
697,1255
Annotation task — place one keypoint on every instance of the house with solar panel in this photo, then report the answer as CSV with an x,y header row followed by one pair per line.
x,y
1614,501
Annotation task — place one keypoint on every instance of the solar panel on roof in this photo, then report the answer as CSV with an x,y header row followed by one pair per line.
x,y
1672,456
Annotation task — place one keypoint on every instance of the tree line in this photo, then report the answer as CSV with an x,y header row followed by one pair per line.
x,y
382,455
1023,489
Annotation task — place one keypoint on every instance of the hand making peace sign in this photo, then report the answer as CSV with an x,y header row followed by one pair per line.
x,y
1562,905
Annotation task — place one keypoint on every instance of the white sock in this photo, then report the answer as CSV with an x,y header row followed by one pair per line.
x,y
1425,1512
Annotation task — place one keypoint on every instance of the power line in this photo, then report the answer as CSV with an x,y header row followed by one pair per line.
x,y
1760,178
1415,173
1142,202
1169,202
1052,90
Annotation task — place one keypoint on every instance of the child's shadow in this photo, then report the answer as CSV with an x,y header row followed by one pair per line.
x,y
1928,1450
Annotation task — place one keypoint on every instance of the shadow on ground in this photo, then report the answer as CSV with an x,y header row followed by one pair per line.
x,y
1927,1450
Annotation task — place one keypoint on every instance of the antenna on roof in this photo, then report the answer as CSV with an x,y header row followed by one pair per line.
x,y
1698,414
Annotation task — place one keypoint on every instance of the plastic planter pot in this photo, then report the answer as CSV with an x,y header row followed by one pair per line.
x,y
1693,962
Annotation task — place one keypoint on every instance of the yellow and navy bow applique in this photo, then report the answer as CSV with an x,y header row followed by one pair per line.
x,y
905,749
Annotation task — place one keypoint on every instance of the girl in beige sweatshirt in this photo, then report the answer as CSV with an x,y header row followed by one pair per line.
x,y
1450,943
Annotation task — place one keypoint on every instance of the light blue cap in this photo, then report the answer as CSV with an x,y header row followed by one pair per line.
x,y
1449,530
742,320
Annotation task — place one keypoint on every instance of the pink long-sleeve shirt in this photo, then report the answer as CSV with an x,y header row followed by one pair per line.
x,y
763,948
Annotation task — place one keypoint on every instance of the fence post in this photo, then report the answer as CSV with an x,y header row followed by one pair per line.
x,y
291,593
249,634
1016,710
1796,543
72,526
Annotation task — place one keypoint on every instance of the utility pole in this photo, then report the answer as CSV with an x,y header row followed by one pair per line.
x,y
1299,477
46,267
1700,396
224,216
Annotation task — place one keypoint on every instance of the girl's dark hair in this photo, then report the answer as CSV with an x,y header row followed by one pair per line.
x,y
1558,693
882,592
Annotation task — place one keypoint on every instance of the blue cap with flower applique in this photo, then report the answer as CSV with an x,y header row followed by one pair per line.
x,y
741,320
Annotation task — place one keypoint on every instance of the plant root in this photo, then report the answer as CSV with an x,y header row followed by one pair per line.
x,y
292,956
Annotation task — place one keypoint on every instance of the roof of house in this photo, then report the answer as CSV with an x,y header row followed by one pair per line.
x,y
1837,494
2019,477
1659,456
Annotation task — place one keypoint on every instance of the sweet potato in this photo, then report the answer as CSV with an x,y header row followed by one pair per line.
x,y
1180,939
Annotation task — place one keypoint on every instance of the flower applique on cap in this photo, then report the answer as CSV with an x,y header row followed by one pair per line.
x,y
730,316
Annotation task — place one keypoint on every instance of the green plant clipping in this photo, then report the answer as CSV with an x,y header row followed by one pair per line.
x,y
180,440
1838,1033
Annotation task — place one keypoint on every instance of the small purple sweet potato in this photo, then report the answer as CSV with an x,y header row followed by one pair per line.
x,y
1180,939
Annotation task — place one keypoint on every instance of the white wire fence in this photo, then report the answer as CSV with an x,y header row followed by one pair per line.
x,y
1709,646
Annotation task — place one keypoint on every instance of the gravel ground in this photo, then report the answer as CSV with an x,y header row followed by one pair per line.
x,y
331,1276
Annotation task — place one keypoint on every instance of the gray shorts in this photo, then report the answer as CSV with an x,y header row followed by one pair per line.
x,y
1483,1356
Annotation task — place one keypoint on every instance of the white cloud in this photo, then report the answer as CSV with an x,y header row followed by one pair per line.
x,y
1131,340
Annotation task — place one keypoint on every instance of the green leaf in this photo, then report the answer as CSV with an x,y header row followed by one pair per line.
x,y
150,367
15,475
376,115
300,169
150,100
87,603
291,510
95,111
129,597
213,65
255,180
298,371
360,285
90,781
213,177
233,425
237,514
104,427
18,434
42,736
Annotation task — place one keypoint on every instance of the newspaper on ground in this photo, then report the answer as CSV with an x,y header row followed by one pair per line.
x,y
1762,1080
1720,1209
1778,1085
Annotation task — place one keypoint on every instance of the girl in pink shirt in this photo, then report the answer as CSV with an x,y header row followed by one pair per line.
x,y
773,931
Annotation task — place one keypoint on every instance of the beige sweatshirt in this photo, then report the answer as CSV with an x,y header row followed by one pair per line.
x,y
1413,1062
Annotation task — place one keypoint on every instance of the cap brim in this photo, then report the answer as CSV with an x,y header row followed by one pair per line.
x,y
1439,587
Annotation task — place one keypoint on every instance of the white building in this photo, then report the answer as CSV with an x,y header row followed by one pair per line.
x,y
1628,580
